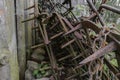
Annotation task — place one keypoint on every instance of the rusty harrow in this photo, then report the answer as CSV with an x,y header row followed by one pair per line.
x,y
75,53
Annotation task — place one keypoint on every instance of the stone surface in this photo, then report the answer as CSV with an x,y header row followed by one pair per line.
x,y
28,75
4,57
39,51
5,72
32,65
38,54
43,79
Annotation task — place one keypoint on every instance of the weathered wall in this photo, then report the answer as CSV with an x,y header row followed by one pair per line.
x,y
29,24
28,27
15,38
24,38
8,48
20,5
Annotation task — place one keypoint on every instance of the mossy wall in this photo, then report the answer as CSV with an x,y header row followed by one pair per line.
x,y
8,44
21,48
15,37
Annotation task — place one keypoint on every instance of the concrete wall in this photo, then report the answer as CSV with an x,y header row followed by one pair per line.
x,y
24,38
8,47
21,48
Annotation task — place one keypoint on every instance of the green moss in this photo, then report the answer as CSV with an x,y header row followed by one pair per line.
x,y
114,62
14,68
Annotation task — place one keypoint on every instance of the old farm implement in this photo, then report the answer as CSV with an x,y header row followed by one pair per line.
x,y
76,48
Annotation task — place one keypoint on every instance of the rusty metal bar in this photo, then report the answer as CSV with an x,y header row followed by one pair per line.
x,y
62,23
29,19
66,57
110,47
30,7
82,54
95,10
36,46
113,9
68,43
74,29
57,35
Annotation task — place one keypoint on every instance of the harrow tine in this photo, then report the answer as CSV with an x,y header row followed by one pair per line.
x,y
46,35
57,35
110,47
77,34
66,57
73,30
36,46
95,10
54,25
33,6
113,9
82,54
29,19
68,43
60,19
